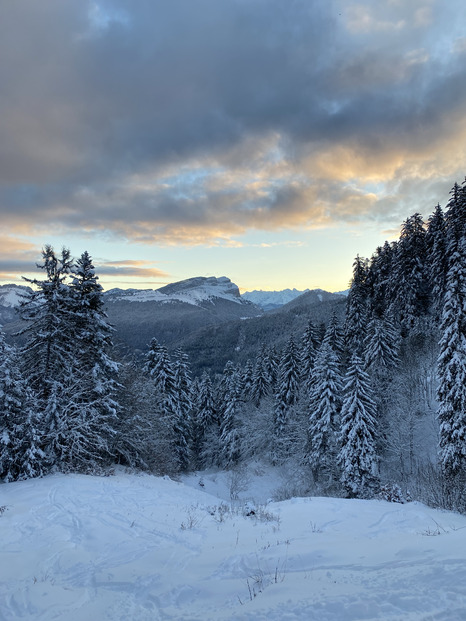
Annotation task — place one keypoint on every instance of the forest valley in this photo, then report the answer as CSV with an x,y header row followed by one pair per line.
x,y
375,407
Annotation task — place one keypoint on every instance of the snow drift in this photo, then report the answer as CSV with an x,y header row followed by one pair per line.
x,y
128,547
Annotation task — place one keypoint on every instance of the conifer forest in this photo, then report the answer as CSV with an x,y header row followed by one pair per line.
x,y
374,406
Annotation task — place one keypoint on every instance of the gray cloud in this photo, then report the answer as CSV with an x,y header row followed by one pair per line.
x,y
96,94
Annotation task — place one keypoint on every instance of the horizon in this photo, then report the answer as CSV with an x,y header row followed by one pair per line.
x,y
273,142
241,290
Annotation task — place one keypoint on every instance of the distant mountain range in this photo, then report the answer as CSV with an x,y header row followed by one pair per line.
x,y
268,300
205,316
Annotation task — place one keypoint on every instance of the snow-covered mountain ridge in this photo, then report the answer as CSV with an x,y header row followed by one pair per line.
x,y
190,291
194,291
272,299
11,295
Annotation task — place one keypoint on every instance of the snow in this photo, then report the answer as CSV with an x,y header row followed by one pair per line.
x,y
192,291
12,295
139,547
266,299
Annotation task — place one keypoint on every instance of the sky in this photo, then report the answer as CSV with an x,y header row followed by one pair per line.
x,y
270,141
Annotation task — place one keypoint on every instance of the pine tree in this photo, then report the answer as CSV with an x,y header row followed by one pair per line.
x,y
309,346
261,381
48,356
437,259
158,365
324,410
171,403
246,380
182,426
91,412
286,395
205,424
382,345
230,444
48,310
455,217
357,307
333,337
223,385
357,455
20,435
452,368
378,278
273,361
136,431
408,287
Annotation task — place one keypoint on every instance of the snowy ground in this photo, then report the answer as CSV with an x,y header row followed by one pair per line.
x,y
145,548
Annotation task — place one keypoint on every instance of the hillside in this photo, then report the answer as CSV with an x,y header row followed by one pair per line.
x,y
205,316
138,547
239,341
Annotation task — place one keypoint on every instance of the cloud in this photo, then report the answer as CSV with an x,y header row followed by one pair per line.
x,y
17,257
127,268
179,122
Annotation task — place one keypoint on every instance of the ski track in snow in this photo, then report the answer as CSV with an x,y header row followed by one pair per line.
x,y
80,548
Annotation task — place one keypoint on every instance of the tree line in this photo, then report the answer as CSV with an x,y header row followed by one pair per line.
x,y
378,400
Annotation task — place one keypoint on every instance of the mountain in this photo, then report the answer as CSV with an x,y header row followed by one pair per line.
x,y
174,312
196,291
210,348
11,295
206,316
10,298
268,300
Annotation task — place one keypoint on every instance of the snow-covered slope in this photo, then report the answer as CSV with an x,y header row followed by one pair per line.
x,y
191,291
142,548
11,295
271,299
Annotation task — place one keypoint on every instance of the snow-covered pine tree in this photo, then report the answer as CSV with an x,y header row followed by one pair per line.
x,y
183,424
309,346
273,361
381,346
324,411
455,217
286,396
333,337
171,412
246,380
261,381
159,366
91,406
20,434
49,353
205,445
437,258
136,431
378,278
408,286
357,304
230,442
229,371
452,368
48,310
357,440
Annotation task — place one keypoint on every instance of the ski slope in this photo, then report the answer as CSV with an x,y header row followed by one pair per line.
x,y
124,547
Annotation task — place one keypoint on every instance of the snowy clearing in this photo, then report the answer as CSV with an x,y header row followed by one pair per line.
x,y
139,547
